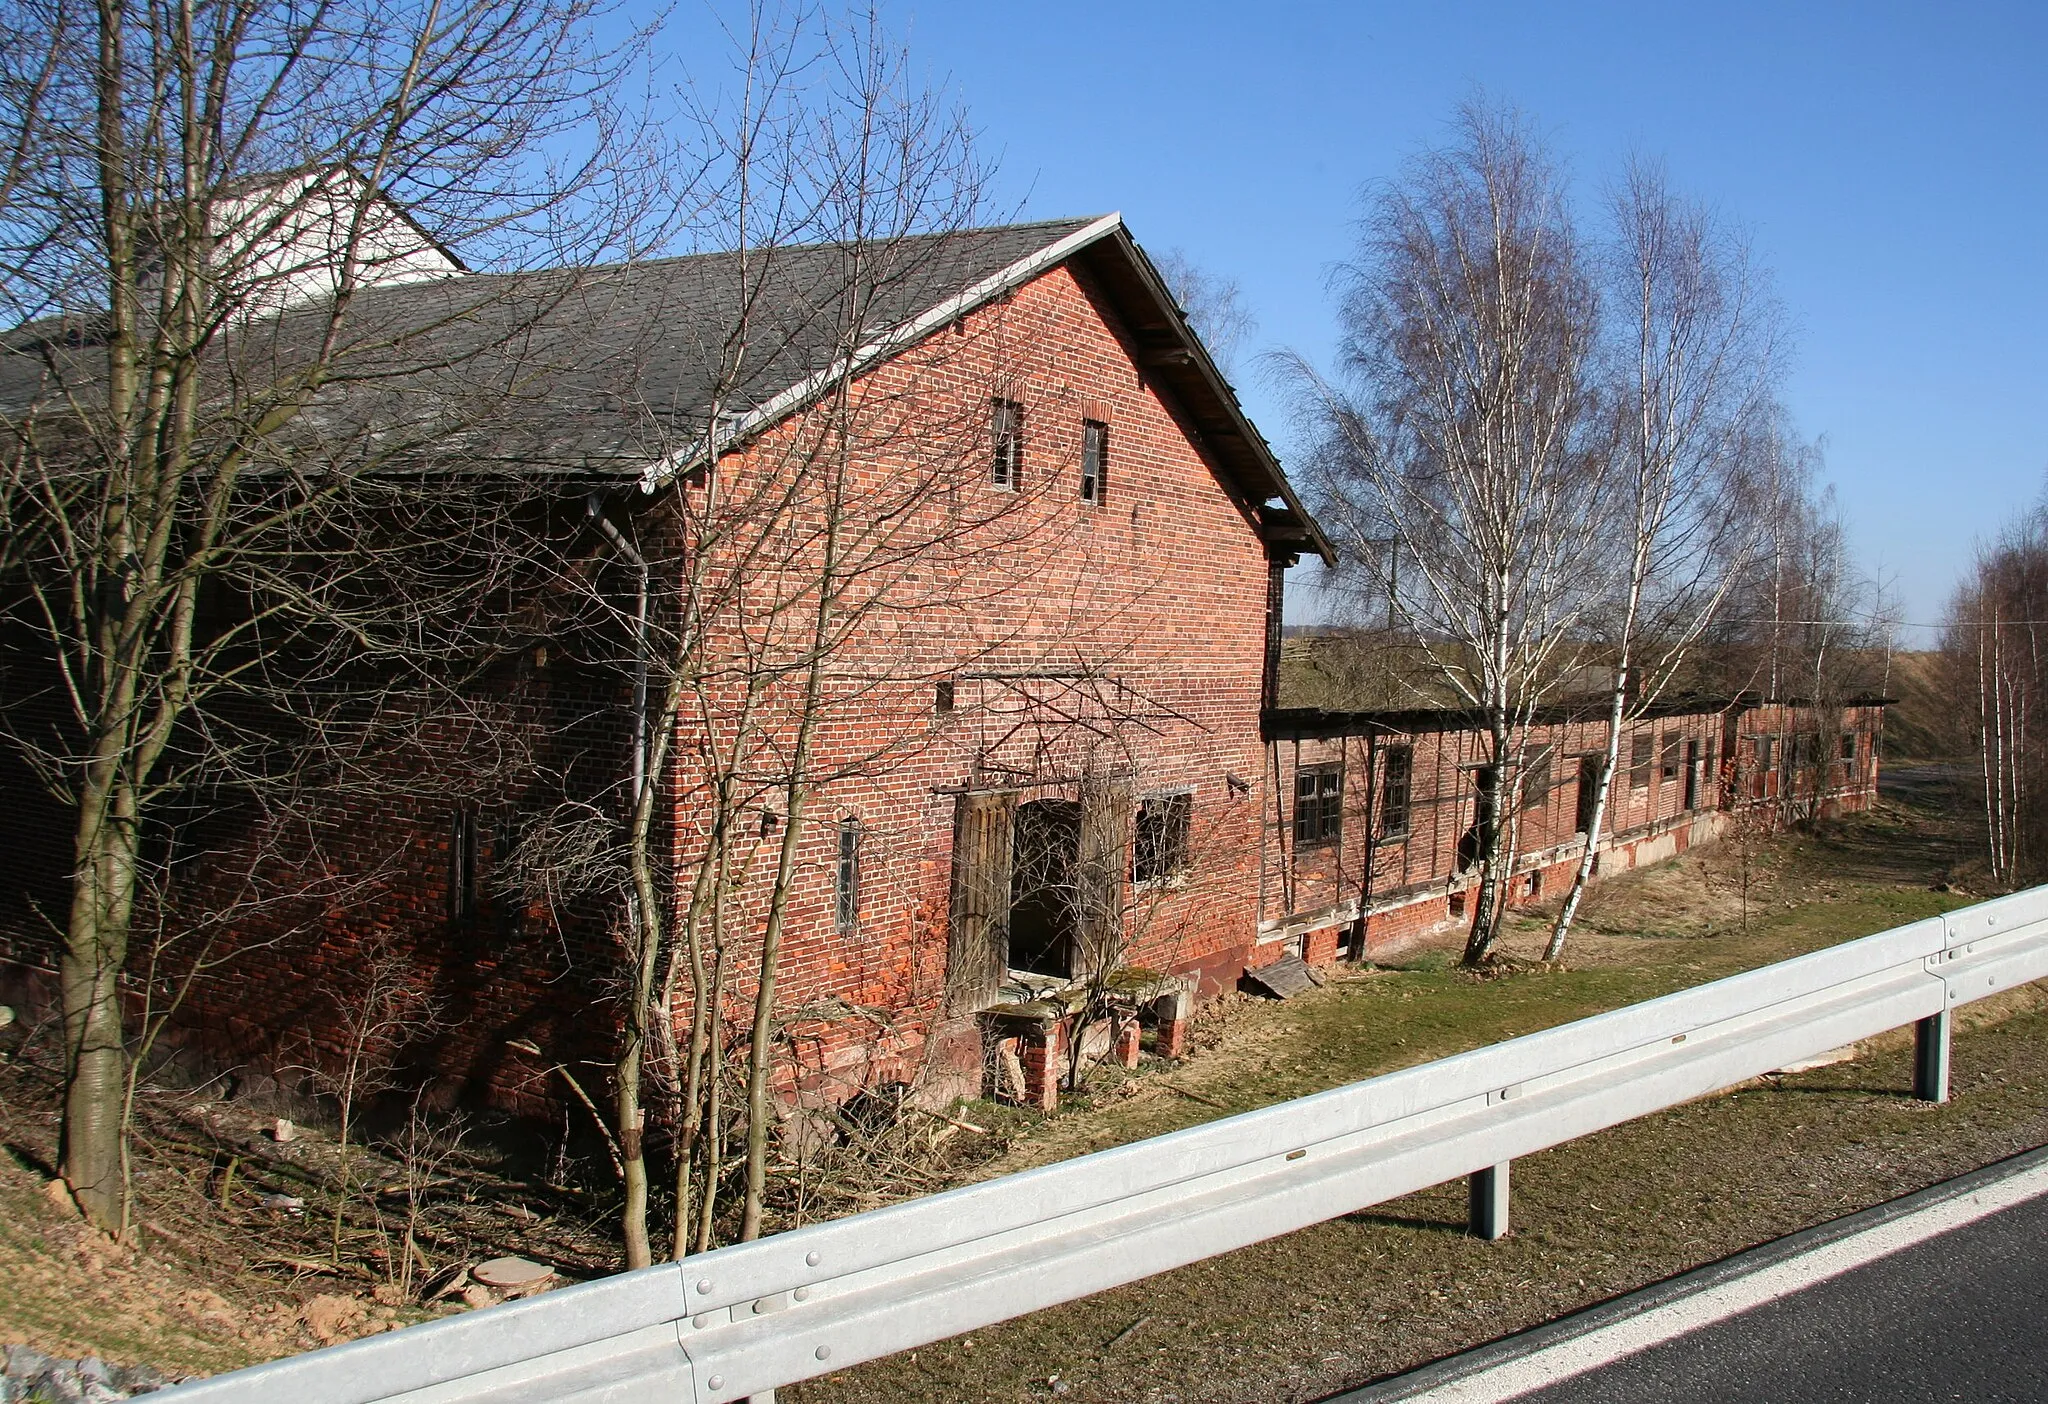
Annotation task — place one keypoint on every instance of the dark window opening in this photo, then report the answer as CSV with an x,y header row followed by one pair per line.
x,y
1640,749
1318,804
464,866
1589,791
1094,461
1161,848
1044,910
1849,747
1667,765
942,699
1006,426
849,873
1394,787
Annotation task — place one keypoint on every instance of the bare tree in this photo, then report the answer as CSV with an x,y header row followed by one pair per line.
x,y
1470,441
197,207
1995,672
791,557
1693,354
1214,304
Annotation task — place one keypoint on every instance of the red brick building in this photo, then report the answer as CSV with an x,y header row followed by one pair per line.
x,y
1370,832
1051,751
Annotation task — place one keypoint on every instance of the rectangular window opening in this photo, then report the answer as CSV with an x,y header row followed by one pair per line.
x,y
848,905
1395,781
1318,804
1667,766
1641,749
1536,779
464,866
1160,852
1006,428
1094,461
942,697
1849,747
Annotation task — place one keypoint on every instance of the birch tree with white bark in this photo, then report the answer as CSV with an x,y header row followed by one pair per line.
x,y
1465,428
1693,349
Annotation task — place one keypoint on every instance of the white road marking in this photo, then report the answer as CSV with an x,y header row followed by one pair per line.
x,y
1603,1346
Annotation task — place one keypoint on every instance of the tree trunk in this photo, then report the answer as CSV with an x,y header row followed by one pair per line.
x,y
1479,942
95,1046
1581,875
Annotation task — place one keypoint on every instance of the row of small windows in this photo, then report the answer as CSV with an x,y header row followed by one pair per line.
x,y
1319,798
1804,747
1319,789
1006,463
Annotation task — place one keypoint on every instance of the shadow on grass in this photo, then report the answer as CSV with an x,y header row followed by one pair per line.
x,y
1900,1094
1454,1227
29,1160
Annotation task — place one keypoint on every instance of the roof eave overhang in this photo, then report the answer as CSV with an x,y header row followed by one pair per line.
x,y
1174,356
1181,363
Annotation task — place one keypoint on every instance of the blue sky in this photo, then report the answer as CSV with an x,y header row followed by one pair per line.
x,y
1890,162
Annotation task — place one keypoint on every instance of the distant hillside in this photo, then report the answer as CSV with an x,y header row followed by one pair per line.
x,y
1926,723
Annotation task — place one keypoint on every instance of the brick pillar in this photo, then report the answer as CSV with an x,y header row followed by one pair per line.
x,y
1172,1012
1126,1040
1040,1051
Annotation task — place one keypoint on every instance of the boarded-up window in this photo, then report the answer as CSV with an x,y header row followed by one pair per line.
x,y
1276,609
1536,779
1640,754
1318,804
1395,781
1106,811
978,941
1160,851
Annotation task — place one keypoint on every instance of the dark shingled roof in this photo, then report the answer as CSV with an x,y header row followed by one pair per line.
x,y
611,370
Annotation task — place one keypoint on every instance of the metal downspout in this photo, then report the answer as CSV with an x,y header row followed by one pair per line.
x,y
594,505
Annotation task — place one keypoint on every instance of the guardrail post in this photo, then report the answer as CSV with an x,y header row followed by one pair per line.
x,y
1930,1057
1487,1200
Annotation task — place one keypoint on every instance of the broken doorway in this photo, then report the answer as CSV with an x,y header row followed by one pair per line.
x,y
1044,863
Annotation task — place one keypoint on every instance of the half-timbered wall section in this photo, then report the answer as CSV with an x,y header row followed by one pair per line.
x,y
1370,822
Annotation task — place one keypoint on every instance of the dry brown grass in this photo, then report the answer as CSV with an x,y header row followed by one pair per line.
x,y
1306,1315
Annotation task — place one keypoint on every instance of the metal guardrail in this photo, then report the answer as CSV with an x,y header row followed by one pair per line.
x,y
744,1320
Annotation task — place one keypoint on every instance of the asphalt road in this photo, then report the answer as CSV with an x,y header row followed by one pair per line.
x,y
1962,1316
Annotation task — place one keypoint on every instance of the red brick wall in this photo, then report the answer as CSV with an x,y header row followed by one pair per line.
x,y
1123,638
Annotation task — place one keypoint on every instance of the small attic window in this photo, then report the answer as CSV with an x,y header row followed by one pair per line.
x,y
1006,430
1094,461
